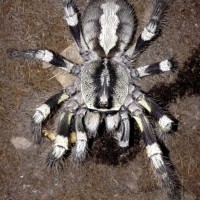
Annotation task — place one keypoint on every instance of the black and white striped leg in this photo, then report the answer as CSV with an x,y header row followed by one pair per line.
x,y
61,140
52,104
163,120
47,56
162,169
151,30
72,18
155,68
44,111
79,151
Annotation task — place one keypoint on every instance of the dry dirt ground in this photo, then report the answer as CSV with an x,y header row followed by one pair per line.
x,y
109,173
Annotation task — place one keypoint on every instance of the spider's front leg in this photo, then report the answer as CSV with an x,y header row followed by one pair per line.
x,y
72,18
48,56
151,30
155,68
163,171
49,106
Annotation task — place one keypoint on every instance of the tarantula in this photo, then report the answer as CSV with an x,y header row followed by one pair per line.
x,y
105,89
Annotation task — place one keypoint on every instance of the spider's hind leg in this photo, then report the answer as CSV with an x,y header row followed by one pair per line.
x,y
164,172
72,18
152,29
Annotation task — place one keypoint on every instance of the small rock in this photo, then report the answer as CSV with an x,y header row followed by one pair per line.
x,y
21,143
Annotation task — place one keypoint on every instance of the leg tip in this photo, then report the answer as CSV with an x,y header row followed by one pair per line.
x,y
37,132
79,153
55,157
13,53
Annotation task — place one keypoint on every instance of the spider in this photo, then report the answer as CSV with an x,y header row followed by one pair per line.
x,y
105,89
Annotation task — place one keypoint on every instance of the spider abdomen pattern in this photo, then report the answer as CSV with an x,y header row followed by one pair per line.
x,y
108,26
105,93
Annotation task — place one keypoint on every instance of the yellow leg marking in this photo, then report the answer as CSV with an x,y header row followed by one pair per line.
x,y
73,137
50,135
63,98
69,118
145,104
139,122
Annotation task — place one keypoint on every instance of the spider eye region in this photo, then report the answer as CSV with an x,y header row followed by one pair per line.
x,y
104,85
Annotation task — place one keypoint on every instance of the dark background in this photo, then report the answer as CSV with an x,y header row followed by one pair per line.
x,y
25,85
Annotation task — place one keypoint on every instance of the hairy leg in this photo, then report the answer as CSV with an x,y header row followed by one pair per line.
x,y
48,56
151,30
163,171
155,68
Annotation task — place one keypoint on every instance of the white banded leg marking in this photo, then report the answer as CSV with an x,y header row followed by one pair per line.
x,y
154,68
92,121
155,155
109,23
60,146
41,113
112,122
165,123
44,55
163,120
165,65
149,32
81,144
71,15
153,149
80,150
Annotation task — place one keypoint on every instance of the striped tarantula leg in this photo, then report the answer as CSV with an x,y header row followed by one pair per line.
x,y
47,56
44,111
61,140
163,171
152,29
163,120
72,18
155,68
79,151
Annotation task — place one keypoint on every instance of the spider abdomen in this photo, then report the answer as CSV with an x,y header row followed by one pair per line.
x,y
108,26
